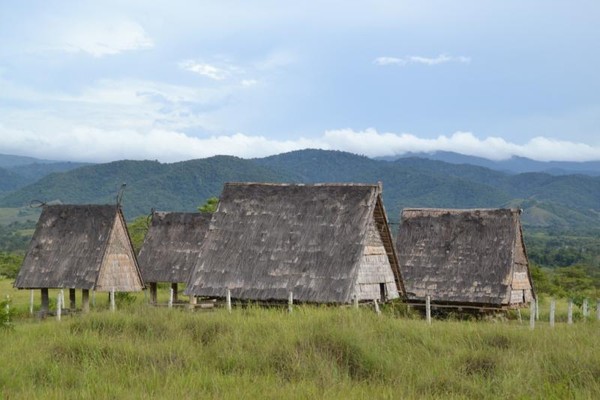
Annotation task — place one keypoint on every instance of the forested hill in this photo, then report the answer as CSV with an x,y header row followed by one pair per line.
x,y
569,202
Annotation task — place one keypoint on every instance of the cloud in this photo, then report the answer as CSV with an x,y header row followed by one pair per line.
x,y
249,82
207,70
86,143
100,38
441,59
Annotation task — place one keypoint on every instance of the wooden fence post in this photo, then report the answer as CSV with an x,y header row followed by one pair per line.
x,y
377,310
31,302
112,299
59,305
290,302
570,312
519,316
85,300
532,315
228,298
552,311
72,299
171,298
586,309
193,302
428,309
45,301
355,300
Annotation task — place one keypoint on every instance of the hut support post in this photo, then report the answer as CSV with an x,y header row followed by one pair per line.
x,y
532,315
31,302
552,312
193,302
72,299
112,299
171,297
519,316
85,300
570,312
428,309
228,299
174,288
355,301
153,292
585,309
291,302
45,301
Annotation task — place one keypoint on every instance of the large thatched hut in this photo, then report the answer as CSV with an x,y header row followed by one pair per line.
x,y
324,243
83,247
464,258
171,248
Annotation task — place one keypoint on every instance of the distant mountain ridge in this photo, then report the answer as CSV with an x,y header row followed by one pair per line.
x,y
569,202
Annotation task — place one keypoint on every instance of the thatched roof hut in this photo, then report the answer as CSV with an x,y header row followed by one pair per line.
x,y
80,247
172,245
471,258
325,243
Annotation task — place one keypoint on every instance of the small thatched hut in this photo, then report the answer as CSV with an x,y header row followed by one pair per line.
x,y
171,248
325,243
464,258
80,247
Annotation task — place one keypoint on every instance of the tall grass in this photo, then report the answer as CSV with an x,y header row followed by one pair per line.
x,y
312,353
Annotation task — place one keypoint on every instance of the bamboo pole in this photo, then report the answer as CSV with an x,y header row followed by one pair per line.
x,y
552,312
428,309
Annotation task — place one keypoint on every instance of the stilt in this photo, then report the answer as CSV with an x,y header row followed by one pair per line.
x,y
72,301
193,302
85,300
45,301
228,299
428,309
112,299
31,302
153,292
174,287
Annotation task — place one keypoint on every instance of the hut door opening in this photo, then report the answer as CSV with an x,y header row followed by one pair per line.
x,y
382,292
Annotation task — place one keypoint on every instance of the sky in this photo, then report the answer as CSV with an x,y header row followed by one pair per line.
x,y
177,80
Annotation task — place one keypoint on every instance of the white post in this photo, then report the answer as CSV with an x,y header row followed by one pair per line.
x,y
428,309
570,312
58,306
537,309
31,302
532,315
355,300
552,312
228,299
377,310
586,309
112,299
171,298
290,302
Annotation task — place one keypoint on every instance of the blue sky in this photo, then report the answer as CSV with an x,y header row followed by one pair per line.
x,y
176,80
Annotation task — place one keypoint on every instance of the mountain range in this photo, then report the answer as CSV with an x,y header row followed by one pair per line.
x,y
564,203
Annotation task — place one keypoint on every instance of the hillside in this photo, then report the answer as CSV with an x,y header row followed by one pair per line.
x,y
569,202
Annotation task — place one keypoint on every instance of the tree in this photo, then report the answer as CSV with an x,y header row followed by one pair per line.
x,y
137,231
210,205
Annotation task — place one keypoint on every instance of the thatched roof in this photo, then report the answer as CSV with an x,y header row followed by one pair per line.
x,y
266,240
462,256
172,245
82,247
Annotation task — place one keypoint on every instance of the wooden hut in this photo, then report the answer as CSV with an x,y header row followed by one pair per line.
x,y
83,247
464,258
324,243
171,248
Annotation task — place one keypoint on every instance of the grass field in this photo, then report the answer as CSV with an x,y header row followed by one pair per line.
x,y
315,352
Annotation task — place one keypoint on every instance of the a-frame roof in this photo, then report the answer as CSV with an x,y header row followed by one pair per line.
x,y
266,240
69,246
459,256
172,245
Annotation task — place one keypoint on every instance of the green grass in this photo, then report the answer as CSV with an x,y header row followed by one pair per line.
x,y
315,352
